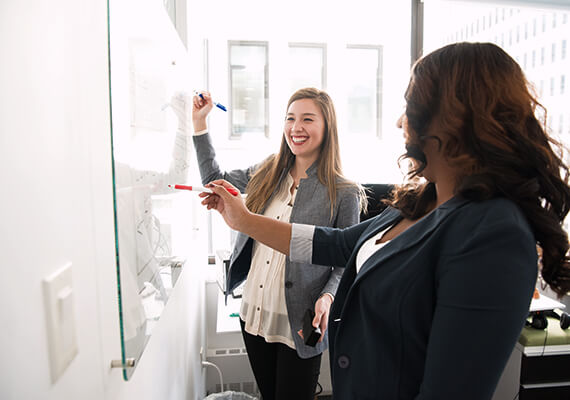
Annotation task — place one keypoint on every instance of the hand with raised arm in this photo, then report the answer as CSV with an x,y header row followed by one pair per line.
x,y
272,233
201,106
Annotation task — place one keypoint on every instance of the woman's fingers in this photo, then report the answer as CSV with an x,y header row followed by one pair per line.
x,y
322,308
228,202
223,183
209,200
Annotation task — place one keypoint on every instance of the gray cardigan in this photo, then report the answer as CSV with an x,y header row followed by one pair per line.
x,y
304,283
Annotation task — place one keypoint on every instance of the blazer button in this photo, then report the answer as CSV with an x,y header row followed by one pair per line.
x,y
343,362
288,284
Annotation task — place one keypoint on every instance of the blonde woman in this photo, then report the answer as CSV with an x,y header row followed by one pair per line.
x,y
302,183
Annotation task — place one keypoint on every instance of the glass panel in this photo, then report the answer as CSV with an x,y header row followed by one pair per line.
x,y
364,91
541,53
306,66
148,63
170,7
248,83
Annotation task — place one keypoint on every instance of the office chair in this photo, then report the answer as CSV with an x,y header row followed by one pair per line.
x,y
375,192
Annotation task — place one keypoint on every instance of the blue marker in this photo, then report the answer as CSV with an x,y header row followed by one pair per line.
x,y
220,106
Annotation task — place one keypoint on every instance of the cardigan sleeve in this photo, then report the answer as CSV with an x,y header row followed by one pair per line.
x,y
210,169
348,214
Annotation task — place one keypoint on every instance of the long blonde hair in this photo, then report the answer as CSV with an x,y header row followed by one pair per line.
x,y
329,170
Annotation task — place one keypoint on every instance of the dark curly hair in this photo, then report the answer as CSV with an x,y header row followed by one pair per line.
x,y
484,107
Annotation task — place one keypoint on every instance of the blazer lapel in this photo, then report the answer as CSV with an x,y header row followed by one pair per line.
x,y
380,222
409,237
389,217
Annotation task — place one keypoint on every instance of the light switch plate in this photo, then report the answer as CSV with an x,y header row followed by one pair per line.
x,y
59,307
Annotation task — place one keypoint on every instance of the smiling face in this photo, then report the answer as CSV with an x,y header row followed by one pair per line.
x,y
304,129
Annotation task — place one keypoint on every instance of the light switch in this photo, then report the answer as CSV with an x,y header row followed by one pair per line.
x,y
62,338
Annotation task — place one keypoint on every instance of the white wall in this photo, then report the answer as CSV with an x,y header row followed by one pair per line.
x,y
57,207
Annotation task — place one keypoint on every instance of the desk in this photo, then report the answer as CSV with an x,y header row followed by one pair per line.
x,y
544,303
225,323
538,368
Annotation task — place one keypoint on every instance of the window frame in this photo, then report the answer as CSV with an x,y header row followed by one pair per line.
x,y
324,65
378,88
265,45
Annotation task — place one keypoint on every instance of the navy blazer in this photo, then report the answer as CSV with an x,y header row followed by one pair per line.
x,y
437,311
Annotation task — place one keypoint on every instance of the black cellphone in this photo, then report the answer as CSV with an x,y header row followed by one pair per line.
x,y
311,334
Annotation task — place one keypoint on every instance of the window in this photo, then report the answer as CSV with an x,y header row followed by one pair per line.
x,y
307,66
543,56
532,46
248,70
249,88
364,90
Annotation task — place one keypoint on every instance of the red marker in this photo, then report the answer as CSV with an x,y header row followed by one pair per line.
x,y
200,189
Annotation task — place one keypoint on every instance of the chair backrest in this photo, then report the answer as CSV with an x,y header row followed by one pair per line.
x,y
375,192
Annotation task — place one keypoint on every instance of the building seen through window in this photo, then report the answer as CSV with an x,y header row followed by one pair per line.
x,y
549,64
550,44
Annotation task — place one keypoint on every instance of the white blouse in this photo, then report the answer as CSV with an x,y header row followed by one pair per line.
x,y
263,306
370,247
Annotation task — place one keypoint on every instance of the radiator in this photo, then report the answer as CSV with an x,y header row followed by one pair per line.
x,y
236,371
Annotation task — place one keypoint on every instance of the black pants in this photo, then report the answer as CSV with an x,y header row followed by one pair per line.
x,y
279,372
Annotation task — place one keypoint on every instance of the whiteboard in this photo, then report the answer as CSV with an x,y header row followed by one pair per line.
x,y
148,66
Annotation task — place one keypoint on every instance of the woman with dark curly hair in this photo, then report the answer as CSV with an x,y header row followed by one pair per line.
x,y
437,288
